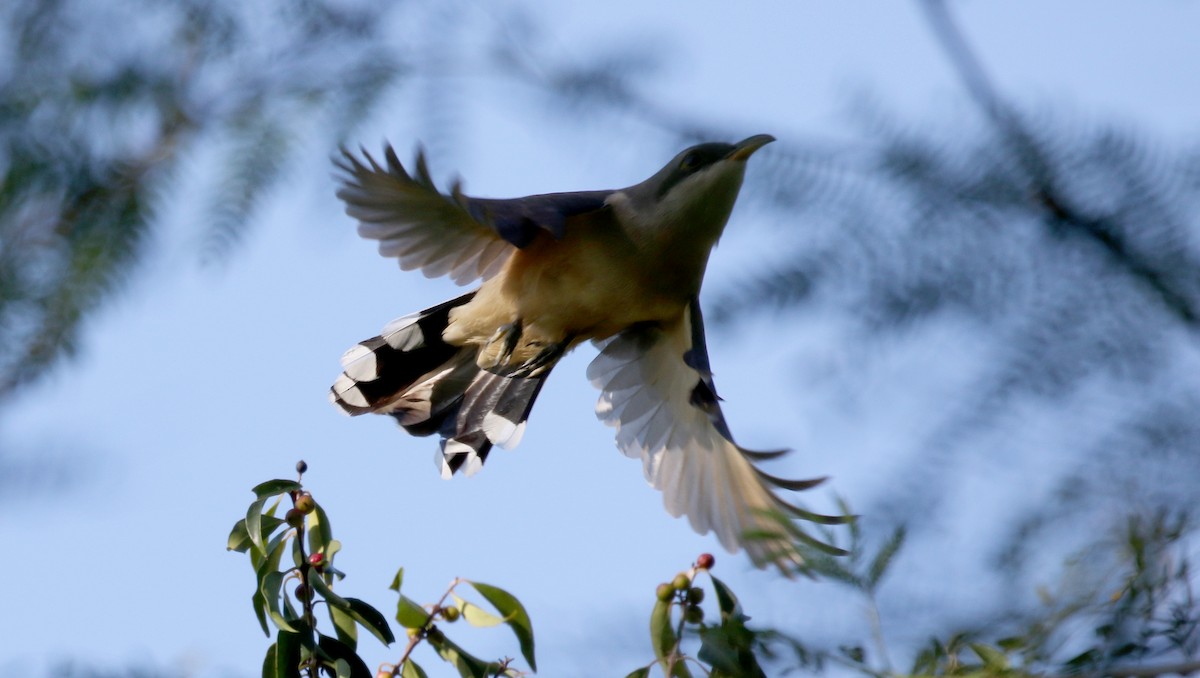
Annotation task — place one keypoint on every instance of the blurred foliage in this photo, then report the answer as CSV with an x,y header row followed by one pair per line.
x,y
1123,606
100,102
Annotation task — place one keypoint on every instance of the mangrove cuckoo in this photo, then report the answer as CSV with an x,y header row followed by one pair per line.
x,y
622,268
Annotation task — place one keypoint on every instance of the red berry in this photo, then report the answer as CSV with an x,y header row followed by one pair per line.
x,y
705,561
316,559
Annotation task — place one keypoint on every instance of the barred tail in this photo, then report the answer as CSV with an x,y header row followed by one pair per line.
x,y
429,386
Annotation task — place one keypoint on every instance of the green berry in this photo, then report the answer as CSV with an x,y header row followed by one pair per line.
x,y
664,592
294,517
305,503
695,595
450,614
681,582
693,614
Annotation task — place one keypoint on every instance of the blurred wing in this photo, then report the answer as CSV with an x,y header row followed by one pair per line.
x,y
456,235
657,390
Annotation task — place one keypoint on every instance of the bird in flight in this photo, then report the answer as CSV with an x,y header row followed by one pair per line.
x,y
622,268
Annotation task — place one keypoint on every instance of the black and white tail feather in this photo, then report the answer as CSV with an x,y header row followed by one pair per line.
x,y
429,387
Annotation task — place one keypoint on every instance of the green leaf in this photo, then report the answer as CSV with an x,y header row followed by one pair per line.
x,y
269,662
927,660
664,641
341,667
643,672
273,487
331,549
879,564
239,537
344,626
1012,643
409,614
397,580
993,659
260,610
412,670
338,652
320,534
729,649
726,601
274,552
272,586
514,615
371,619
475,615
289,612
317,582
298,551
468,665
270,563
288,648
254,524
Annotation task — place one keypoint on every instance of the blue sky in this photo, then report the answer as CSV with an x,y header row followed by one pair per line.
x,y
200,382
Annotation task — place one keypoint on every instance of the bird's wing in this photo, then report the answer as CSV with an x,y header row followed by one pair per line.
x,y
658,392
447,234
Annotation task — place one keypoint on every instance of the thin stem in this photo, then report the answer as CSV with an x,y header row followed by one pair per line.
x,y
876,622
416,638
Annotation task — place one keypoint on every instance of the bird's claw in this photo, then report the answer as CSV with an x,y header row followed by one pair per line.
x,y
498,351
542,360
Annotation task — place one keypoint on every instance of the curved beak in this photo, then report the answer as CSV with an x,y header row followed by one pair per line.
x,y
746,147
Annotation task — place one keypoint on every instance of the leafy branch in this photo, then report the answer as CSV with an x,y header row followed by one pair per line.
x,y
301,649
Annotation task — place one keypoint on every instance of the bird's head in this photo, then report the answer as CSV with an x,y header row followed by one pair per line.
x,y
694,191
701,168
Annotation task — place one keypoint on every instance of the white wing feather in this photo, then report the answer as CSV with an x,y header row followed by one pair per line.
x,y
647,389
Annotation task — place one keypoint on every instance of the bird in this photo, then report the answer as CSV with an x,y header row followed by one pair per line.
x,y
620,268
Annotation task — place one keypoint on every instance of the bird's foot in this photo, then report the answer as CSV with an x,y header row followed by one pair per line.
x,y
514,352
543,360
496,355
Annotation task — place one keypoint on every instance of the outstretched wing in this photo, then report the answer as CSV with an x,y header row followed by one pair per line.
x,y
456,235
657,390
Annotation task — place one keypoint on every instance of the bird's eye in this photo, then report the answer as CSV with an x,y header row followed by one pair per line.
x,y
690,162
